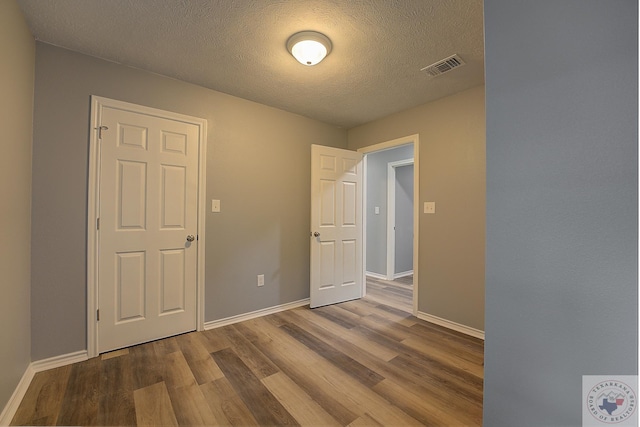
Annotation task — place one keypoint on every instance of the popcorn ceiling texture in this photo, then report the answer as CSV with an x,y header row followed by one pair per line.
x,y
239,47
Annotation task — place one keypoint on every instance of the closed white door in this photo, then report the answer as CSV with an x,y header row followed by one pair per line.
x,y
147,256
336,225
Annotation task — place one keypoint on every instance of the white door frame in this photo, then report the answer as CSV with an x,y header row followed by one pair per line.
x,y
411,139
97,105
391,214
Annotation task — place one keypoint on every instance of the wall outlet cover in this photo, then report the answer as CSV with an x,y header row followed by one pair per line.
x,y
429,207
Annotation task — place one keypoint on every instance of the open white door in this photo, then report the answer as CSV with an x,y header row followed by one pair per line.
x,y
336,225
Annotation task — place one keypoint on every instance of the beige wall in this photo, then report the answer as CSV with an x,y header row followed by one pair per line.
x,y
452,173
258,161
17,53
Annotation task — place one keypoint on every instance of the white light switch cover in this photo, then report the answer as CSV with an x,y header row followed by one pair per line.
x,y
215,205
430,207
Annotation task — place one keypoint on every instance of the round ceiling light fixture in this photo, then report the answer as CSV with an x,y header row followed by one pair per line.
x,y
309,47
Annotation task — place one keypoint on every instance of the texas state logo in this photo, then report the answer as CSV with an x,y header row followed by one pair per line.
x,y
610,400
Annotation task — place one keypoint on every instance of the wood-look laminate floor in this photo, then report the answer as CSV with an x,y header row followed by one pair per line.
x,y
365,362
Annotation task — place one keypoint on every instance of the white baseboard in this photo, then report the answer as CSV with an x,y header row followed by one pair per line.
x,y
58,361
467,330
403,274
252,315
376,275
384,276
14,401
11,407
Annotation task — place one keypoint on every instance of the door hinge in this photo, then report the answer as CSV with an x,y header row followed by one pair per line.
x,y
98,315
100,129
98,224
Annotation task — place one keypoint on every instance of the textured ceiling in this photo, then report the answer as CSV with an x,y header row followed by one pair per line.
x,y
239,47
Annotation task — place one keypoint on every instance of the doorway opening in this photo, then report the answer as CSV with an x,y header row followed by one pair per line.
x,y
390,222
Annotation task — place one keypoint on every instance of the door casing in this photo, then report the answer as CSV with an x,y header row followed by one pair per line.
x,y
97,104
411,139
391,215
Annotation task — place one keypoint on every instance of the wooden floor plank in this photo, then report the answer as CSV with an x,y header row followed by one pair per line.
x,y
365,421
41,403
396,293
226,405
363,362
166,346
432,378
386,327
113,354
176,371
296,361
444,356
382,352
345,321
430,370
350,366
153,406
147,368
429,411
259,364
117,409
263,405
116,392
299,404
204,369
215,340
362,397
82,395
423,376
346,346
455,341
190,406
344,389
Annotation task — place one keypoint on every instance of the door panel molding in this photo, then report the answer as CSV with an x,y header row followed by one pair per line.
x,y
170,143
336,225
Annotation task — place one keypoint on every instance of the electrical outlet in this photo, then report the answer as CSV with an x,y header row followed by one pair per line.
x,y
260,279
429,207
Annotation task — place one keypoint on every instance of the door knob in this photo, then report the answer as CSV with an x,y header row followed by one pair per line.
x,y
191,238
316,234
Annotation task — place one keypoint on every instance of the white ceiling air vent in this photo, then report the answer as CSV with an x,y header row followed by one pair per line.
x,y
443,66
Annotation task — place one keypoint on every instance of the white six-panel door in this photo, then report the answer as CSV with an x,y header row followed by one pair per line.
x,y
148,222
336,225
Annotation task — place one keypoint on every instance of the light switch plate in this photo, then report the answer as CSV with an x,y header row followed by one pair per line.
x,y
215,205
429,207
376,210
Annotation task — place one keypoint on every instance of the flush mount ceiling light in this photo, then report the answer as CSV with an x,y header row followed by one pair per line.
x,y
309,47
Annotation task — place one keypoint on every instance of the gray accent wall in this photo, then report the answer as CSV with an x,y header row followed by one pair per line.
x,y
17,67
562,204
258,166
452,173
376,256
404,219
